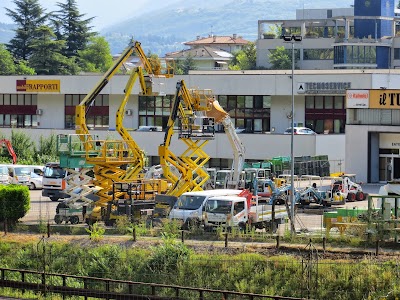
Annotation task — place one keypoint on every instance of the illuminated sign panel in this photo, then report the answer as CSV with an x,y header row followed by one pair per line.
x,y
357,98
384,99
39,86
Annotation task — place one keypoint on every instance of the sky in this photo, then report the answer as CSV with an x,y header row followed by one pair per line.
x,y
106,12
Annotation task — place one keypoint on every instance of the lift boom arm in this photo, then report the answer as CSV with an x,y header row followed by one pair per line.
x,y
10,149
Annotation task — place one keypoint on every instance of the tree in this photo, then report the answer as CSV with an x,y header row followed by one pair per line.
x,y
28,16
245,59
70,26
398,5
97,55
280,59
47,58
182,67
7,66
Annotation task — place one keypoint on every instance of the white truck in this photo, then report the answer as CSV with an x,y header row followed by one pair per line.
x,y
188,208
242,212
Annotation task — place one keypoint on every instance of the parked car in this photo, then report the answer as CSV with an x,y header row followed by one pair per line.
x,y
300,130
35,181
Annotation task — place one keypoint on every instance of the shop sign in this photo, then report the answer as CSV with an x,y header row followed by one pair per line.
x,y
384,99
39,86
323,87
357,98
389,141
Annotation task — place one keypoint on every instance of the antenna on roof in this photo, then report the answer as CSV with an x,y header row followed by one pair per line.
x,y
211,33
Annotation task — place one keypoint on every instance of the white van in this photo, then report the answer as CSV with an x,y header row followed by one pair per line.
x,y
19,174
4,178
188,209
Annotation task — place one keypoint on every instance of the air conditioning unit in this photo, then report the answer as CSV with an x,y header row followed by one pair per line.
x,y
39,112
128,112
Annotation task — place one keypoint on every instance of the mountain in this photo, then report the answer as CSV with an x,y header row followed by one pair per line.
x,y
163,29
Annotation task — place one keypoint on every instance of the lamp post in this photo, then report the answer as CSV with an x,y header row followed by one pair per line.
x,y
292,39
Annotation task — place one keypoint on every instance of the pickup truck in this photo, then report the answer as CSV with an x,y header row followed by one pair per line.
x,y
242,212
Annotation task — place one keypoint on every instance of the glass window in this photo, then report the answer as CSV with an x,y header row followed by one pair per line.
x,y
240,102
309,102
68,100
328,102
339,102
14,121
106,100
34,99
75,100
258,102
249,101
14,99
28,121
7,120
231,103
28,99
223,101
1,119
34,121
266,101
20,99
7,99
319,102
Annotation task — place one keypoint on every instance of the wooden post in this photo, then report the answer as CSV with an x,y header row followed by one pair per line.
x,y
48,229
277,241
324,243
182,236
134,233
377,248
226,240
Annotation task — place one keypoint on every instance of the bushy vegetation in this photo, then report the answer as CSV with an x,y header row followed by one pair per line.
x,y
172,262
14,203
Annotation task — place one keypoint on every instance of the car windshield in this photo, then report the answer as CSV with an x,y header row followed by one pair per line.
x,y
54,172
189,202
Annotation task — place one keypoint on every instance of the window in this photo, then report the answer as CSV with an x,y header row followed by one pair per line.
x,y
18,110
155,110
318,54
396,53
251,113
325,114
98,114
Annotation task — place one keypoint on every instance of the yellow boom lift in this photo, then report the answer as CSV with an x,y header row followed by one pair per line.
x,y
195,130
112,160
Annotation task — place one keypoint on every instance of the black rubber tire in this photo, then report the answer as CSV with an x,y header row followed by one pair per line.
x,y
58,219
32,186
74,220
360,196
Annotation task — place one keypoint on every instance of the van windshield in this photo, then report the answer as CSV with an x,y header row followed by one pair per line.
x,y
22,171
189,202
54,172
3,170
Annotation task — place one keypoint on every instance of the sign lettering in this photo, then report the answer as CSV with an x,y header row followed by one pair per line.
x,y
42,86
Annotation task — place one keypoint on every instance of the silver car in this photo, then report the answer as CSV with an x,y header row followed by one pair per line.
x,y
300,130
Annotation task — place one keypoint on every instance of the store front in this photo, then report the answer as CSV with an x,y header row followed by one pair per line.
x,y
389,157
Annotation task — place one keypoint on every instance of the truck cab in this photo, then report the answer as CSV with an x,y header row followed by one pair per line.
x,y
54,181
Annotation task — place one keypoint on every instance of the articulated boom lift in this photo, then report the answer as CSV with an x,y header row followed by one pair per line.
x,y
195,130
221,116
112,161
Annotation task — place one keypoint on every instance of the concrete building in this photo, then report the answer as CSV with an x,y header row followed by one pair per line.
x,y
360,133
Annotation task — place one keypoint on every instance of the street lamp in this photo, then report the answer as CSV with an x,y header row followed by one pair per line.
x,y
292,39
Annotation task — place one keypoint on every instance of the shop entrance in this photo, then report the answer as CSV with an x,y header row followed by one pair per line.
x,y
389,168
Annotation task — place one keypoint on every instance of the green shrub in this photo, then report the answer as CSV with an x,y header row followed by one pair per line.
x,y
14,203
